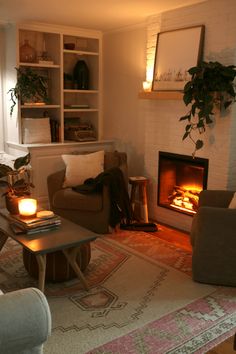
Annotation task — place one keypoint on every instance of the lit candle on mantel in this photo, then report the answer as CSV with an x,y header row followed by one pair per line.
x,y
147,86
27,207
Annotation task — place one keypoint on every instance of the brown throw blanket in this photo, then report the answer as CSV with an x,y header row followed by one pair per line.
x,y
120,203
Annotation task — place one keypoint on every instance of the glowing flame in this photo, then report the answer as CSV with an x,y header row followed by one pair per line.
x,y
186,198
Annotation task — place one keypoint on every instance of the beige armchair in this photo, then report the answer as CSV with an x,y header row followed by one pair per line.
x,y
91,211
213,238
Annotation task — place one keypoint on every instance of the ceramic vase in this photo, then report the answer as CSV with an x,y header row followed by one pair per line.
x,y
27,53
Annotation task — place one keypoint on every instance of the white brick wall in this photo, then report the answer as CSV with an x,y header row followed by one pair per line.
x,y
163,131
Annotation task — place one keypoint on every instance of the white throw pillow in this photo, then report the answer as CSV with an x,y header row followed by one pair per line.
x,y
232,204
81,167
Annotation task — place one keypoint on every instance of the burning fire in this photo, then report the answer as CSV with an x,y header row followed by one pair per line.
x,y
185,198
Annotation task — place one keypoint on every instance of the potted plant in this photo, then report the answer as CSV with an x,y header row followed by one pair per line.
x,y
16,182
211,87
30,87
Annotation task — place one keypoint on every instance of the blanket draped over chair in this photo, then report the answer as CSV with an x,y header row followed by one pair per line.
x,y
120,203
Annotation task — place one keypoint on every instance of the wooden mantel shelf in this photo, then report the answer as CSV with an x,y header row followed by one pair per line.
x,y
161,95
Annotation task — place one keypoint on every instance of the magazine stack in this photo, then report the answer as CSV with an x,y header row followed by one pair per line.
x,y
37,224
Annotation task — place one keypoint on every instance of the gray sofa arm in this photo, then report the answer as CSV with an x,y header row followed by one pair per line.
x,y
215,198
25,321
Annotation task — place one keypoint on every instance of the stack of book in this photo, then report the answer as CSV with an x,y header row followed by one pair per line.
x,y
34,225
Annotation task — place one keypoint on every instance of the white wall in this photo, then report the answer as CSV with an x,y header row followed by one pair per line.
x,y
158,126
124,70
2,42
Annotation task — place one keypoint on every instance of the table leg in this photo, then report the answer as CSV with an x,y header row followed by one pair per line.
x,y
71,255
41,259
132,196
143,197
3,239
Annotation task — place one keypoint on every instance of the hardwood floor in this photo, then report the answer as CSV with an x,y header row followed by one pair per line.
x,y
179,238
227,347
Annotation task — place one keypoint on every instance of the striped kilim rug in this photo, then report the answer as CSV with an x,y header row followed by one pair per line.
x,y
141,300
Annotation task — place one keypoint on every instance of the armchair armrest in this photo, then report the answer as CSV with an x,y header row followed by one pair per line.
x,y
215,198
214,246
25,321
55,182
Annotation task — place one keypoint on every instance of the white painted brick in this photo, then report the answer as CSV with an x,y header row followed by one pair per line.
x,y
163,131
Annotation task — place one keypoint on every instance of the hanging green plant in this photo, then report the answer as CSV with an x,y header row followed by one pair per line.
x,y
211,86
30,87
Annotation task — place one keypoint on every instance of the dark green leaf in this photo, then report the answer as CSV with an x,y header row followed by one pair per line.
x,y
4,169
4,183
199,144
185,135
193,70
185,117
187,98
19,183
22,161
200,124
188,127
227,104
208,120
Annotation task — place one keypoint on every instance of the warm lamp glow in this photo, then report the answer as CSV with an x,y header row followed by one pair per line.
x,y
27,207
147,86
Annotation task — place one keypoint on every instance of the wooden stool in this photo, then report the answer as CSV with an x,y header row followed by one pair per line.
x,y
141,183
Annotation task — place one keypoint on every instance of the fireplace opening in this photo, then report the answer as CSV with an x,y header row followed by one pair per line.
x,y
180,180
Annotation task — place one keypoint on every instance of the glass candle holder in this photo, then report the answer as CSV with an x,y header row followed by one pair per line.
x,y
27,207
147,86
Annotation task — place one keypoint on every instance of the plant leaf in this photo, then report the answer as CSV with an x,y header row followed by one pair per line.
x,y
185,135
4,169
187,98
199,144
188,127
227,104
185,117
22,161
4,184
208,120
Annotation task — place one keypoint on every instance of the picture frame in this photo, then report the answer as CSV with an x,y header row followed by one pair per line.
x,y
176,52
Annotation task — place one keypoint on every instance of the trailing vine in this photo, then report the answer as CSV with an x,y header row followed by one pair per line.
x,y
211,86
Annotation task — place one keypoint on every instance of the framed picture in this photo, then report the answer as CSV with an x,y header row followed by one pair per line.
x,y
176,52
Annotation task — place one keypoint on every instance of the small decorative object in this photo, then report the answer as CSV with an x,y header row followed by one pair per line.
x,y
45,59
211,87
30,86
176,51
27,53
70,46
36,130
81,75
68,81
147,86
27,207
17,182
45,214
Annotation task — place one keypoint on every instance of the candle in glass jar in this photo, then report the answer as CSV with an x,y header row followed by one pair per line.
x,y
147,86
27,207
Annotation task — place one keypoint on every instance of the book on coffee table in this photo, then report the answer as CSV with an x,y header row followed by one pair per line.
x,y
43,221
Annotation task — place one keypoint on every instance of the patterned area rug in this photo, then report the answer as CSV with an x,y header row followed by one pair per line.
x,y
141,300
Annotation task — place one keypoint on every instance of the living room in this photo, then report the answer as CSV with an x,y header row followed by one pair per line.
x,y
143,127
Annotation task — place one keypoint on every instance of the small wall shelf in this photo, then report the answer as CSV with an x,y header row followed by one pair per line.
x,y
161,95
